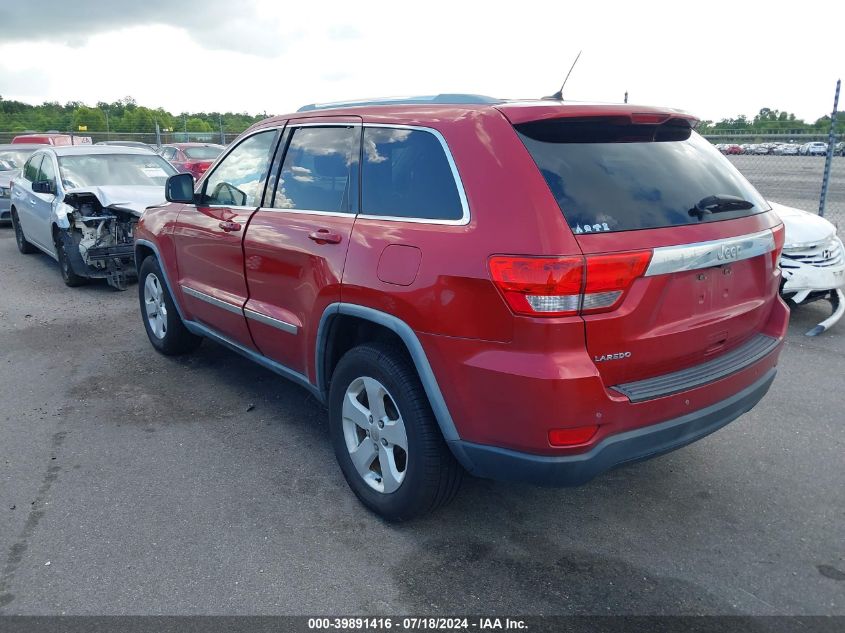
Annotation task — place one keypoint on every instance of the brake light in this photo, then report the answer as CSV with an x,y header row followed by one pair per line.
x,y
563,286
610,276
544,286
779,234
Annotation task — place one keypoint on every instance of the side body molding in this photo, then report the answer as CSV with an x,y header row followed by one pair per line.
x,y
404,331
320,390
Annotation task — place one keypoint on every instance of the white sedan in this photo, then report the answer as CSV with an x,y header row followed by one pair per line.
x,y
813,262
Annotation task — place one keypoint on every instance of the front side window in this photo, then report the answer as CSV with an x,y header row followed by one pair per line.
x,y
238,181
30,170
320,170
406,175
100,170
47,173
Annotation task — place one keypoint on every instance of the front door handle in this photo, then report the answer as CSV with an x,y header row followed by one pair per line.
x,y
229,226
324,236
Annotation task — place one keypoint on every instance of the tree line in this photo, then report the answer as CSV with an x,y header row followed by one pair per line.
x,y
772,121
123,115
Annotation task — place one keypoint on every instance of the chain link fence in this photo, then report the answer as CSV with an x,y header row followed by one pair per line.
x,y
784,172
150,138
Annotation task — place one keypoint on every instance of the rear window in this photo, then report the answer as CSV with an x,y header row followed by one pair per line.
x,y
610,175
203,153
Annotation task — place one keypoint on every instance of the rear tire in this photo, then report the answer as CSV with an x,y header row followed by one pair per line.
x,y
70,278
377,403
23,246
164,326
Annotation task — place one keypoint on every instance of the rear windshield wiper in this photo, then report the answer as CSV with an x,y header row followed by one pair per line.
x,y
719,203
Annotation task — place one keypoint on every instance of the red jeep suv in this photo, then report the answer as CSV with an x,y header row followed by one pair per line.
x,y
535,291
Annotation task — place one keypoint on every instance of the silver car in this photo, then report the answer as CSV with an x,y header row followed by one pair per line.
x,y
79,205
12,158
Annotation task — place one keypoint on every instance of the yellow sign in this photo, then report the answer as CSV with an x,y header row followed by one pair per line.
x,y
83,128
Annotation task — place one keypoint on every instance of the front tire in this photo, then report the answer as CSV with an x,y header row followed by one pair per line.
x,y
71,279
23,246
385,436
164,326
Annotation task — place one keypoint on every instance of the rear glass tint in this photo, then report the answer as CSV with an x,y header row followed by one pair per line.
x,y
407,175
611,175
208,152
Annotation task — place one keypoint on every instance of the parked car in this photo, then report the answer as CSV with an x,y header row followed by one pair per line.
x,y
759,150
813,263
80,205
733,149
12,158
51,138
528,291
786,149
814,148
192,158
137,144
839,148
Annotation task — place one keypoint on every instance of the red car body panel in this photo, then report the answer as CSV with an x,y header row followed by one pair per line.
x,y
506,379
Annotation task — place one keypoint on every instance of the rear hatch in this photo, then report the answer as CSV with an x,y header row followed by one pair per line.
x,y
679,251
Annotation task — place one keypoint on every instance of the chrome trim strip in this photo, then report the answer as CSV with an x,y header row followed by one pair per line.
x,y
672,259
465,217
225,305
290,328
333,214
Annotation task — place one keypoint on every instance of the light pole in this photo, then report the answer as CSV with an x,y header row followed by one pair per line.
x,y
108,130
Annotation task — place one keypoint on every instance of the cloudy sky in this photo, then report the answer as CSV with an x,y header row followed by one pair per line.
x,y
714,58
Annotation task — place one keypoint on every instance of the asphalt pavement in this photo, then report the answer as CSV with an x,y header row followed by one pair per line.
x,y
132,483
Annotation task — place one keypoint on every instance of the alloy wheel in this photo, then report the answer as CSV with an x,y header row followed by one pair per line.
x,y
375,436
155,307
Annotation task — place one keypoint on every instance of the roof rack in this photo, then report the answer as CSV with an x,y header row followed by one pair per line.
x,y
455,99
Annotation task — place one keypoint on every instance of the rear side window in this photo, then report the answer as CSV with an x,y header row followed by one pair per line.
x,y
406,174
30,170
320,170
610,175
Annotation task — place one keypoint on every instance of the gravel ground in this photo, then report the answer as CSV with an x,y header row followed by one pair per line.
x,y
132,483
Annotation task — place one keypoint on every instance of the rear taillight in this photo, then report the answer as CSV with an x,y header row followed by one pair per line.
x,y
563,286
779,234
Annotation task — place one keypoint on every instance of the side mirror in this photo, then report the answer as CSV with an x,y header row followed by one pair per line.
x,y
44,186
180,188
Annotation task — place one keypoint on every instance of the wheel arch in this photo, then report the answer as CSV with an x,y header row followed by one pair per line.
x,y
333,339
145,249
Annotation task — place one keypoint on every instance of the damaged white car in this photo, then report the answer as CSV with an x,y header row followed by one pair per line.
x,y
812,262
80,204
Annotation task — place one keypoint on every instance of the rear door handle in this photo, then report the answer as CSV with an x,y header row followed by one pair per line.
x,y
229,226
324,236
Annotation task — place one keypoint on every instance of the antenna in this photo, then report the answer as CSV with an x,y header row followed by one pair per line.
x,y
558,96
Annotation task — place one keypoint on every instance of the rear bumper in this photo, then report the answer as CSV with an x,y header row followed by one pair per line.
x,y
615,450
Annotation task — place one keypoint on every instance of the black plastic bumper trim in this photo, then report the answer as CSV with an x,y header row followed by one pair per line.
x,y
631,446
736,360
